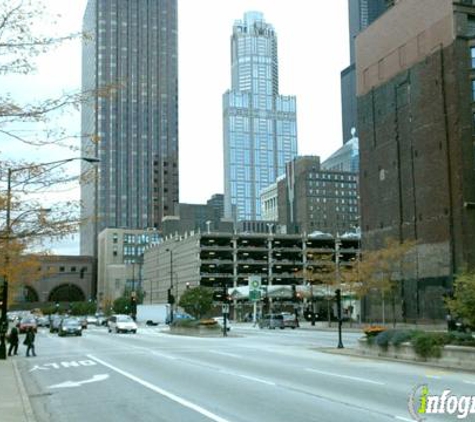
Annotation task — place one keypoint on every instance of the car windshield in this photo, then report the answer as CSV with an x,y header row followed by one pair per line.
x,y
124,319
71,322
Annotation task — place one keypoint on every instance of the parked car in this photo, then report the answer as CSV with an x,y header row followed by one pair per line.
x,y
70,327
290,320
272,321
26,323
122,324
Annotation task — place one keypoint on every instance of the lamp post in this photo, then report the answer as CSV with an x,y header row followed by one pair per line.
x,y
338,291
171,298
8,227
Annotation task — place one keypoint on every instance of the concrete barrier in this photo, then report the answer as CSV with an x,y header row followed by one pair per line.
x,y
200,330
454,357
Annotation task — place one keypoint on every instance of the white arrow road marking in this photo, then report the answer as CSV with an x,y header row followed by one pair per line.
x,y
70,384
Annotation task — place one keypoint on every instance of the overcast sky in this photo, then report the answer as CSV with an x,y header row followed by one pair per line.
x,y
312,47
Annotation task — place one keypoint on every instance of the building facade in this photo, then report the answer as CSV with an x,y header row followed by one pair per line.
x,y
61,278
229,259
416,106
195,217
312,199
130,67
361,13
120,262
346,158
260,127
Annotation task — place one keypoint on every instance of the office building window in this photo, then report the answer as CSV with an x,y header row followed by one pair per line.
x,y
472,57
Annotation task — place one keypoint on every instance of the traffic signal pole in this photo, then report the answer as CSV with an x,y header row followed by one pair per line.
x,y
225,308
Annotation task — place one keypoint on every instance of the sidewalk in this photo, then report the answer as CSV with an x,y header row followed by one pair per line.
x,y
14,403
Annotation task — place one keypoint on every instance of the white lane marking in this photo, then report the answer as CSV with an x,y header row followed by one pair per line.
x,y
345,376
226,354
71,384
436,377
469,382
162,392
163,355
255,379
401,418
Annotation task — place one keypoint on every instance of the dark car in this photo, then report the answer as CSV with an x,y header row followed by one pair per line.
x,y
272,321
70,327
26,323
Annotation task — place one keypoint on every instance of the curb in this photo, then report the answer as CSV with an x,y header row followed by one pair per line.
x,y
27,409
355,354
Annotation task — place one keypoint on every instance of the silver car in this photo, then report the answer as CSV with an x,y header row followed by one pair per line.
x,y
272,321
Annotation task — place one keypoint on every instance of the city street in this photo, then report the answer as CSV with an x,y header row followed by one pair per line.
x,y
252,375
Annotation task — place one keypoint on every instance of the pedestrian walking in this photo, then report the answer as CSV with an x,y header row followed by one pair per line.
x,y
30,342
13,340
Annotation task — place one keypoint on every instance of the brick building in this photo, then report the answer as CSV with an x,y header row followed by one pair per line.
x,y
416,93
313,199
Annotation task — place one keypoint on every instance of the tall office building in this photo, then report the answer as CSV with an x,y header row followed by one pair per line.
x,y
361,13
260,128
130,60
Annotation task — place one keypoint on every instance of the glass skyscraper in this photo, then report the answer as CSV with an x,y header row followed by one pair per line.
x,y
260,129
130,64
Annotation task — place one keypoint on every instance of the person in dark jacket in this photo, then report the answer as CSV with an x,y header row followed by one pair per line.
x,y
30,342
13,340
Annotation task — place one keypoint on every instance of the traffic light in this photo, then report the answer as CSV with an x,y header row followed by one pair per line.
x,y
294,293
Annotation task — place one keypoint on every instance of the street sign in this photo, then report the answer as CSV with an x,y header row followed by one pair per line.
x,y
225,308
254,282
254,295
254,287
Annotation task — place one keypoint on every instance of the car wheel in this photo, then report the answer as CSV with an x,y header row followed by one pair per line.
x,y
80,334
110,331
134,331
117,331
293,328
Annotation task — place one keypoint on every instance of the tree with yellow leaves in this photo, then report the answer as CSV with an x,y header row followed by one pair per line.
x,y
382,270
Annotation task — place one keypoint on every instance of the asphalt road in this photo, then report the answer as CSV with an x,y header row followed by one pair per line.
x,y
254,375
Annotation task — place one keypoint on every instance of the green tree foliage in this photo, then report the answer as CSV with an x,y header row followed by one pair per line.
x,y
121,305
197,301
83,308
462,305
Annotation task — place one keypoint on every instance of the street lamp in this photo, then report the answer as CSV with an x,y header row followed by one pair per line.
x,y
8,227
338,291
171,298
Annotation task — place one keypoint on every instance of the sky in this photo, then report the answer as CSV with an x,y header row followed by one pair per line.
x,y
312,48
